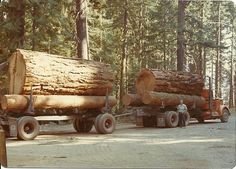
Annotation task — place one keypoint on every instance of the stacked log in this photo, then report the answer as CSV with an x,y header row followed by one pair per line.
x,y
21,102
56,82
169,82
171,99
131,100
56,75
166,88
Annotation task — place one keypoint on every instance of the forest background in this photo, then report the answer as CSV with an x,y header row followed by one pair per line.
x,y
194,36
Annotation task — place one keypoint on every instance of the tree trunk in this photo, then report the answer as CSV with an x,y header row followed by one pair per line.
x,y
170,99
217,78
56,75
164,43
169,82
20,14
204,61
124,50
34,14
16,16
1,13
81,29
131,100
180,36
231,90
21,102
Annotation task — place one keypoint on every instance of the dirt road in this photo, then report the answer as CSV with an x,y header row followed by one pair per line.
x,y
209,145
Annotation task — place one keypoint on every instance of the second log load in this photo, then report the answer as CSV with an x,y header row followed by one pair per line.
x,y
56,75
169,82
166,88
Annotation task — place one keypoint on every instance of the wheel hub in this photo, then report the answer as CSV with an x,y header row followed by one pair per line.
x,y
108,123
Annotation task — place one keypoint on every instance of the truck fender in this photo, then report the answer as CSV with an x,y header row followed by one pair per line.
x,y
224,107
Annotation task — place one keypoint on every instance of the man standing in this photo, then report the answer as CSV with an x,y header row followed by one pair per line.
x,y
182,109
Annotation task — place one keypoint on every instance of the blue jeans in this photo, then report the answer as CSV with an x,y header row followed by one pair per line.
x,y
182,119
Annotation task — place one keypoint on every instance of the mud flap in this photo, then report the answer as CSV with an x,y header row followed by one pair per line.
x,y
12,127
161,120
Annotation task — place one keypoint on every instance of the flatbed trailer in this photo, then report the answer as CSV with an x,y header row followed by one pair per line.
x,y
25,125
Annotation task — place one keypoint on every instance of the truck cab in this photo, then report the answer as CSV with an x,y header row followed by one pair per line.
x,y
214,108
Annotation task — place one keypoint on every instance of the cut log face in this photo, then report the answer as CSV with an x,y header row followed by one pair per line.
x,y
132,100
57,75
170,99
169,82
21,102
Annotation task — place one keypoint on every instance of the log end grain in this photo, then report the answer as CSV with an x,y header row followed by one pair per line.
x,y
17,72
145,81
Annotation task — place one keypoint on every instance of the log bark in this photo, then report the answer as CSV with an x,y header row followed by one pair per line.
x,y
56,75
132,100
21,102
169,99
169,82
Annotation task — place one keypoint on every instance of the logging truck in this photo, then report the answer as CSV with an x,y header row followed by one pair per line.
x,y
45,87
159,93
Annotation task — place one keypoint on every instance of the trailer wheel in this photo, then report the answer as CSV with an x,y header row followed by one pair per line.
x,y
106,123
96,123
172,119
27,128
82,126
225,116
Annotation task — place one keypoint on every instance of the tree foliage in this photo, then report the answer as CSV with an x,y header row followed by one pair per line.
x,y
129,35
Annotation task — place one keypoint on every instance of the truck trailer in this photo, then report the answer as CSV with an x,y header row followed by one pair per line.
x,y
159,93
45,87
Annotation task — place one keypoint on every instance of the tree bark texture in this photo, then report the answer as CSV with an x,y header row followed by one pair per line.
x,y
21,102
170,99
231,89
56,75
180,36
16,15
218,57
132,100
124,53
81,29
169,82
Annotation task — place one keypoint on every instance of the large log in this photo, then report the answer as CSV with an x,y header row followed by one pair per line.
x,y
170,99
21,102
169,82
132,100
56,75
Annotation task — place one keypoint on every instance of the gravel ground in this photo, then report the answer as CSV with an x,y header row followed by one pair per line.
x,y
210,145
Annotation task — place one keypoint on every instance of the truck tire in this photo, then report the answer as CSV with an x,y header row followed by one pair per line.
x,y
225,116
82,126
187,118
106,123
171,119
27,128
96,124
